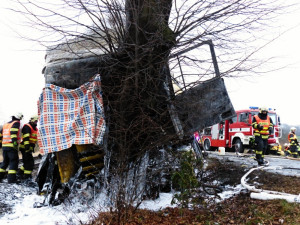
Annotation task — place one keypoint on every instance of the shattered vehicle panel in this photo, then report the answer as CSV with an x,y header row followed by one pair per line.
x,y
208,103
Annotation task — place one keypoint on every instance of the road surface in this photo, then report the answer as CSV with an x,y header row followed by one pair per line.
x,y
284,165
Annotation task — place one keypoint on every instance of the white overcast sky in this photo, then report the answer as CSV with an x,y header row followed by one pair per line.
x,y
21,80
279,89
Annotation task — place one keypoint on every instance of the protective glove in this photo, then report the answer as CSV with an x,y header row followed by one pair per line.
x,y
260,127
270,130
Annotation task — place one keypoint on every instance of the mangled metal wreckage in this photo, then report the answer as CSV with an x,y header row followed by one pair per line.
x,y
73,128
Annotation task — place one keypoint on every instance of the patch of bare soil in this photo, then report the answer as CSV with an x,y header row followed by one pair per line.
x,y
276,182
240,209
224,173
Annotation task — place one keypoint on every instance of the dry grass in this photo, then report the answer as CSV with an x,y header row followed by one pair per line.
x,y
237,210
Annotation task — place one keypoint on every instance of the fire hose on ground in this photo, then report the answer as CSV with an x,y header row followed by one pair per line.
x,y
262,194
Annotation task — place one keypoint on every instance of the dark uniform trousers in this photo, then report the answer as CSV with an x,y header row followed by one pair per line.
x,y
261,148
11,158
28,162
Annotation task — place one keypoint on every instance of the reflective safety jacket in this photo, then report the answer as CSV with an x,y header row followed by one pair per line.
x,y
292,138
0,138
11,133
265,123
29,137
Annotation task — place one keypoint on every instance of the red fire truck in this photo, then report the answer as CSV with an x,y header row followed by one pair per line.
x,y
236,134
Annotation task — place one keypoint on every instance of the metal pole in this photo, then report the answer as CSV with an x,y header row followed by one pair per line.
x,y
214,58
212,52
181,73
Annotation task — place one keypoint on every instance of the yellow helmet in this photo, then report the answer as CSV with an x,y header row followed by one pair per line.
x,y
34,118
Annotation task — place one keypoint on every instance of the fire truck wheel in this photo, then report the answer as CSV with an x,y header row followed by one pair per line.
x,y
238,146
206,145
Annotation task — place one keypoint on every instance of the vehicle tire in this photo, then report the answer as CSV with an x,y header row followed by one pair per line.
x,y
206,145
238,146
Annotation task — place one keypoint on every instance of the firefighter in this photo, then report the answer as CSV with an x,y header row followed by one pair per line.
x,y
29,139
279,150
293,142
263,126
287,149
274,149
11,136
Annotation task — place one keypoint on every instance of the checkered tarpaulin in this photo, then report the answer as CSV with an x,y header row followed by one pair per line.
x,y
70,116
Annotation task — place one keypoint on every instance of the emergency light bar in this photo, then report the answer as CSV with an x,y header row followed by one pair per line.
x,y
255,107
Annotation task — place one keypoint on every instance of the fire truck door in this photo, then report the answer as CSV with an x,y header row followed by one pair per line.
x,y
215,132
218,131
222,131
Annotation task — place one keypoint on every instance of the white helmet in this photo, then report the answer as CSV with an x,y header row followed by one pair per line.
x,y
261,109
18,115
34,118
293,128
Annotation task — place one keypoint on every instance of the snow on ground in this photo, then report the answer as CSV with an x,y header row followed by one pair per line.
x,y
23,212
229,191
162,202
21,201
17,201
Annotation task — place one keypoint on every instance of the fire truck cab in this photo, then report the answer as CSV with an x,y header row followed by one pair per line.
x,y
236,134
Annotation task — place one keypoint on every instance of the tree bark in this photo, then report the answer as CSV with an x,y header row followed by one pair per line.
x,y
135,90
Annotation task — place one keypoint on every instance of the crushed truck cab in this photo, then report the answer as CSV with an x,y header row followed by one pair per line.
x,y
74,85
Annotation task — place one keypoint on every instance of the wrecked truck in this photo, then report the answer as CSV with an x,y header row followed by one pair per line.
x,y
75,122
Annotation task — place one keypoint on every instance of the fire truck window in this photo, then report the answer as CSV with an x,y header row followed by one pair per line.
x,y
243,117
253,114
273,117
233,119
207,131
221,127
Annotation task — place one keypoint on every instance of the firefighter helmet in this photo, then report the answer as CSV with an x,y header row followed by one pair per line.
x,y
34,118
263,109
293,128
18,115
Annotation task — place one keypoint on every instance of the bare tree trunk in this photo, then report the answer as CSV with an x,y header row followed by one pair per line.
x,y
136,93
